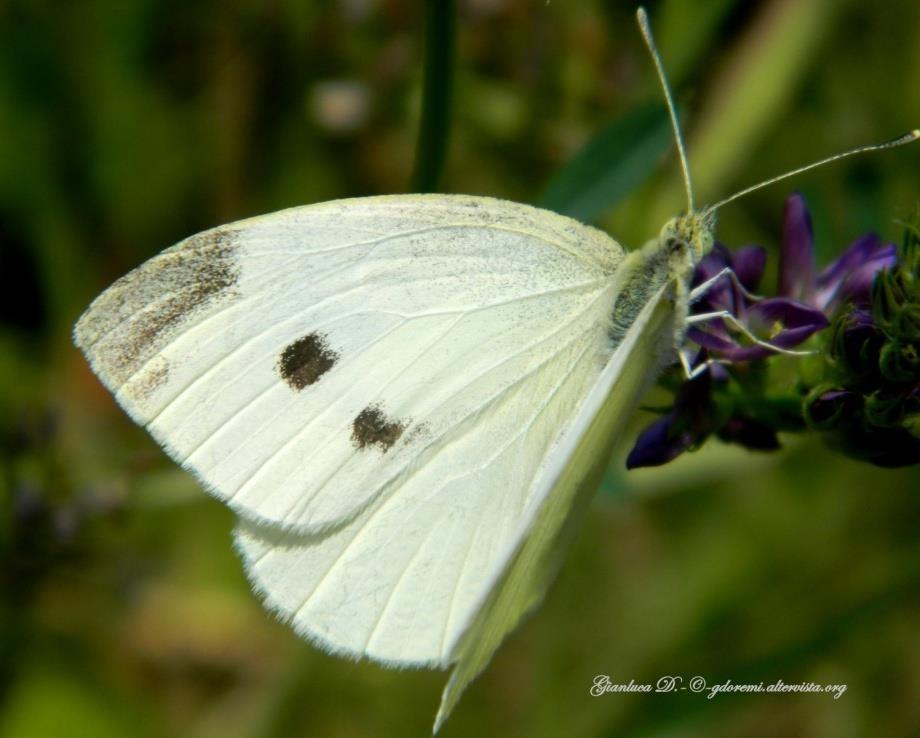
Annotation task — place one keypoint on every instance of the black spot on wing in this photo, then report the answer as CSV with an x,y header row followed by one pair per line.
x,y
372,428
306,360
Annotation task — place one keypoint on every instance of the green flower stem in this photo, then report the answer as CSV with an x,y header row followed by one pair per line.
x,y
434,126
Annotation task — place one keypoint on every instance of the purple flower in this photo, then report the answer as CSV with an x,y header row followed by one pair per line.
x,y
697,414
827,408
685,425
796,254
782,322
850,277
806,299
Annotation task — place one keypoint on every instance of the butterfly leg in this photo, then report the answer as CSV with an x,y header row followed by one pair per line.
x,y
692,372
729,318
697,292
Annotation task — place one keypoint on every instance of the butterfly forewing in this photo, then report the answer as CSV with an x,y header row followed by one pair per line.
x,y
306,363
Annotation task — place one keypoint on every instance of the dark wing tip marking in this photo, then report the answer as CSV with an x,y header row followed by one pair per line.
x,y
304,361
149,380
136,317
373,428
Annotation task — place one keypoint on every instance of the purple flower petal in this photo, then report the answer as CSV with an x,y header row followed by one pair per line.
x,y
858,284
859,319
792,337
863,251
854,255
719,373
859,331
738,354
797,256
748,263
655,445
785,339
709,341
713,263
861,341
834,395
689,421
798,322
720,295
789,313
828,408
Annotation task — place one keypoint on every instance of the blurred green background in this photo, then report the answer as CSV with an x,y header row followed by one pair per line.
x,y
126,126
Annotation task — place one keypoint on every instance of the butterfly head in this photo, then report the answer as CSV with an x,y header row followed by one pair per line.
x,y
686,239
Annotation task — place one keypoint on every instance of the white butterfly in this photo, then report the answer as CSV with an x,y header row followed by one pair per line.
x,y
407,400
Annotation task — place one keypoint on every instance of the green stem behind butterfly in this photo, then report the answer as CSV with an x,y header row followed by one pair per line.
x,y
434,125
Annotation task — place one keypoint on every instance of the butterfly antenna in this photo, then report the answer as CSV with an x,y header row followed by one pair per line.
x,y
900,141
646,29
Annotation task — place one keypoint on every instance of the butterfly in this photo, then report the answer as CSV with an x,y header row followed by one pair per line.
x,y
407,400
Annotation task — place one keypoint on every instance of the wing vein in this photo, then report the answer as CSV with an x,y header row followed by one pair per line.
x,y
293,439
274,383
497,396
371,515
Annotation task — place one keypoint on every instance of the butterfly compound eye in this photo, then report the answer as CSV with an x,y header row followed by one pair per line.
x,y
675,245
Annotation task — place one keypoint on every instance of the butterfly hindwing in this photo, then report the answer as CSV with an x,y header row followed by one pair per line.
x,y
306,363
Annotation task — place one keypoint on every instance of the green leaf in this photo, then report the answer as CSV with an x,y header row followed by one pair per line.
x,y
619,158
